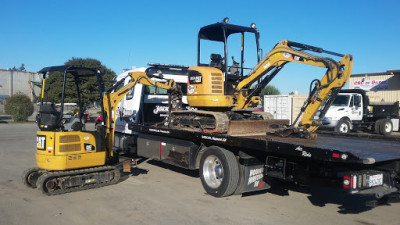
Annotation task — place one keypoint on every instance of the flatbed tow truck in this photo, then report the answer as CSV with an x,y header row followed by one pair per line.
x,y
235,150
244,158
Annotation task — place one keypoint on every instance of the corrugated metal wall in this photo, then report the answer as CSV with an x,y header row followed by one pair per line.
x,y
297,103
383,96
391,92
12,82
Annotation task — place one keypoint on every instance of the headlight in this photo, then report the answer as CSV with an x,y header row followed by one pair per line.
x,y
89,147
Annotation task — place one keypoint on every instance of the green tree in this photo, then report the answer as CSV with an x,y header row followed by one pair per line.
x,y
88,85
22,67
19,106
270,90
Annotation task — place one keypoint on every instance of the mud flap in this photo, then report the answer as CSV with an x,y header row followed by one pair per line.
x,y
251,176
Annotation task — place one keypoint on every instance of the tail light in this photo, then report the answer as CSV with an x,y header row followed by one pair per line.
x,y
360,180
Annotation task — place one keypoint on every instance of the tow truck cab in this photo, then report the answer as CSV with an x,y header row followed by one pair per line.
x,y
145,105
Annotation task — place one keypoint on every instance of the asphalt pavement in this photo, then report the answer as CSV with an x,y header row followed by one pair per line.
x,y
155,193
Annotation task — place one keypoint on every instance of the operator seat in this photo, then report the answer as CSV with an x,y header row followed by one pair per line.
x,y
48,118
216,61
75,123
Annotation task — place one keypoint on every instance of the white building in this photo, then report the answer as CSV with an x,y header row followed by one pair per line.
x,y
12,81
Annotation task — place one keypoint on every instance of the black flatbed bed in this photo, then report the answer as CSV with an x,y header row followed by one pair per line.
x,y
364,148
330,148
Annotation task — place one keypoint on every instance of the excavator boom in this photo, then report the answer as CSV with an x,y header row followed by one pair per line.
x,y
113,96
336,76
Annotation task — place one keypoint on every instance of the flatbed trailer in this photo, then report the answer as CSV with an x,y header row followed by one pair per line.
x,y
236,164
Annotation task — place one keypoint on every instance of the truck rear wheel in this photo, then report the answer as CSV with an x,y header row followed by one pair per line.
x,y
219,172
377,126
343,127
385,127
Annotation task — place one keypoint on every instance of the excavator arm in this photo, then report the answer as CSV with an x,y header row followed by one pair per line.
x,y
113,96
325,90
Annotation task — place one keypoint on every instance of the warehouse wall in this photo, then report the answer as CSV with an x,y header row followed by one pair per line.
x,y
12,82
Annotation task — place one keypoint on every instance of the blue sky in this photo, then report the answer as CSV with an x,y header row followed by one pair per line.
x,y
122,34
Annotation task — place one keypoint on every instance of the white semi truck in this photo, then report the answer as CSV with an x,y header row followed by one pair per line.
x,y
351,110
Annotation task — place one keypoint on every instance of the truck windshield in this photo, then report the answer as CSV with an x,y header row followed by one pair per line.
x,y
341,100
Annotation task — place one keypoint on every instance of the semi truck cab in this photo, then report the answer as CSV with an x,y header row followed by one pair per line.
x,y
346,105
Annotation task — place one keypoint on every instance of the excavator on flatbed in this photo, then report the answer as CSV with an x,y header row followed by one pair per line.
x,y
222,92
71,159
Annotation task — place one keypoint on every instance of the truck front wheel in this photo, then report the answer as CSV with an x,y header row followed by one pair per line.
x,y
219,172
343,127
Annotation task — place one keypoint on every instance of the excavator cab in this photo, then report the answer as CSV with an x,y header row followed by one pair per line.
x,y
58,113
217,78
220,34
62,142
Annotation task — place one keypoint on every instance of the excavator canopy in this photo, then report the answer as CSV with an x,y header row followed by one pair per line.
x,y
221,31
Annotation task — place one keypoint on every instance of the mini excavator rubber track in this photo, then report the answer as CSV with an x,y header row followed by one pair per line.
x,y
61,182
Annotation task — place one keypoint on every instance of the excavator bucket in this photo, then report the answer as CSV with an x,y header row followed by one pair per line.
x,y
254,127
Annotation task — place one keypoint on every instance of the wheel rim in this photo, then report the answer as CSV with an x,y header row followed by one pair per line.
x,y
388,127
213,172
344,128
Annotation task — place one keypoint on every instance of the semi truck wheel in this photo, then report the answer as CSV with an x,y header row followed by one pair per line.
x,y
219,172
343,127
377,126
385,127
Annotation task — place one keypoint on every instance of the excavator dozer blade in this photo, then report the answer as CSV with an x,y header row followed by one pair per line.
x,y
254,127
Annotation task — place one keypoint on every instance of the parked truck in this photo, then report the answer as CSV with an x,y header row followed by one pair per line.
x,y
352,110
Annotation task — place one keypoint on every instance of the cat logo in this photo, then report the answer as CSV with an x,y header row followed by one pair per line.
x,y
41,142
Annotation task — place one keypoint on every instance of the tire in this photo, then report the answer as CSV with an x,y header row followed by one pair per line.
x,y
219,172
377,126
30,176
385,127
343,127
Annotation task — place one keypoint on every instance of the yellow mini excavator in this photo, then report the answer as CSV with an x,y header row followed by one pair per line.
x,y
68,157
223,91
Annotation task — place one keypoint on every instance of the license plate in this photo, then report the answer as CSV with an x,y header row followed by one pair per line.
x,y
375,180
